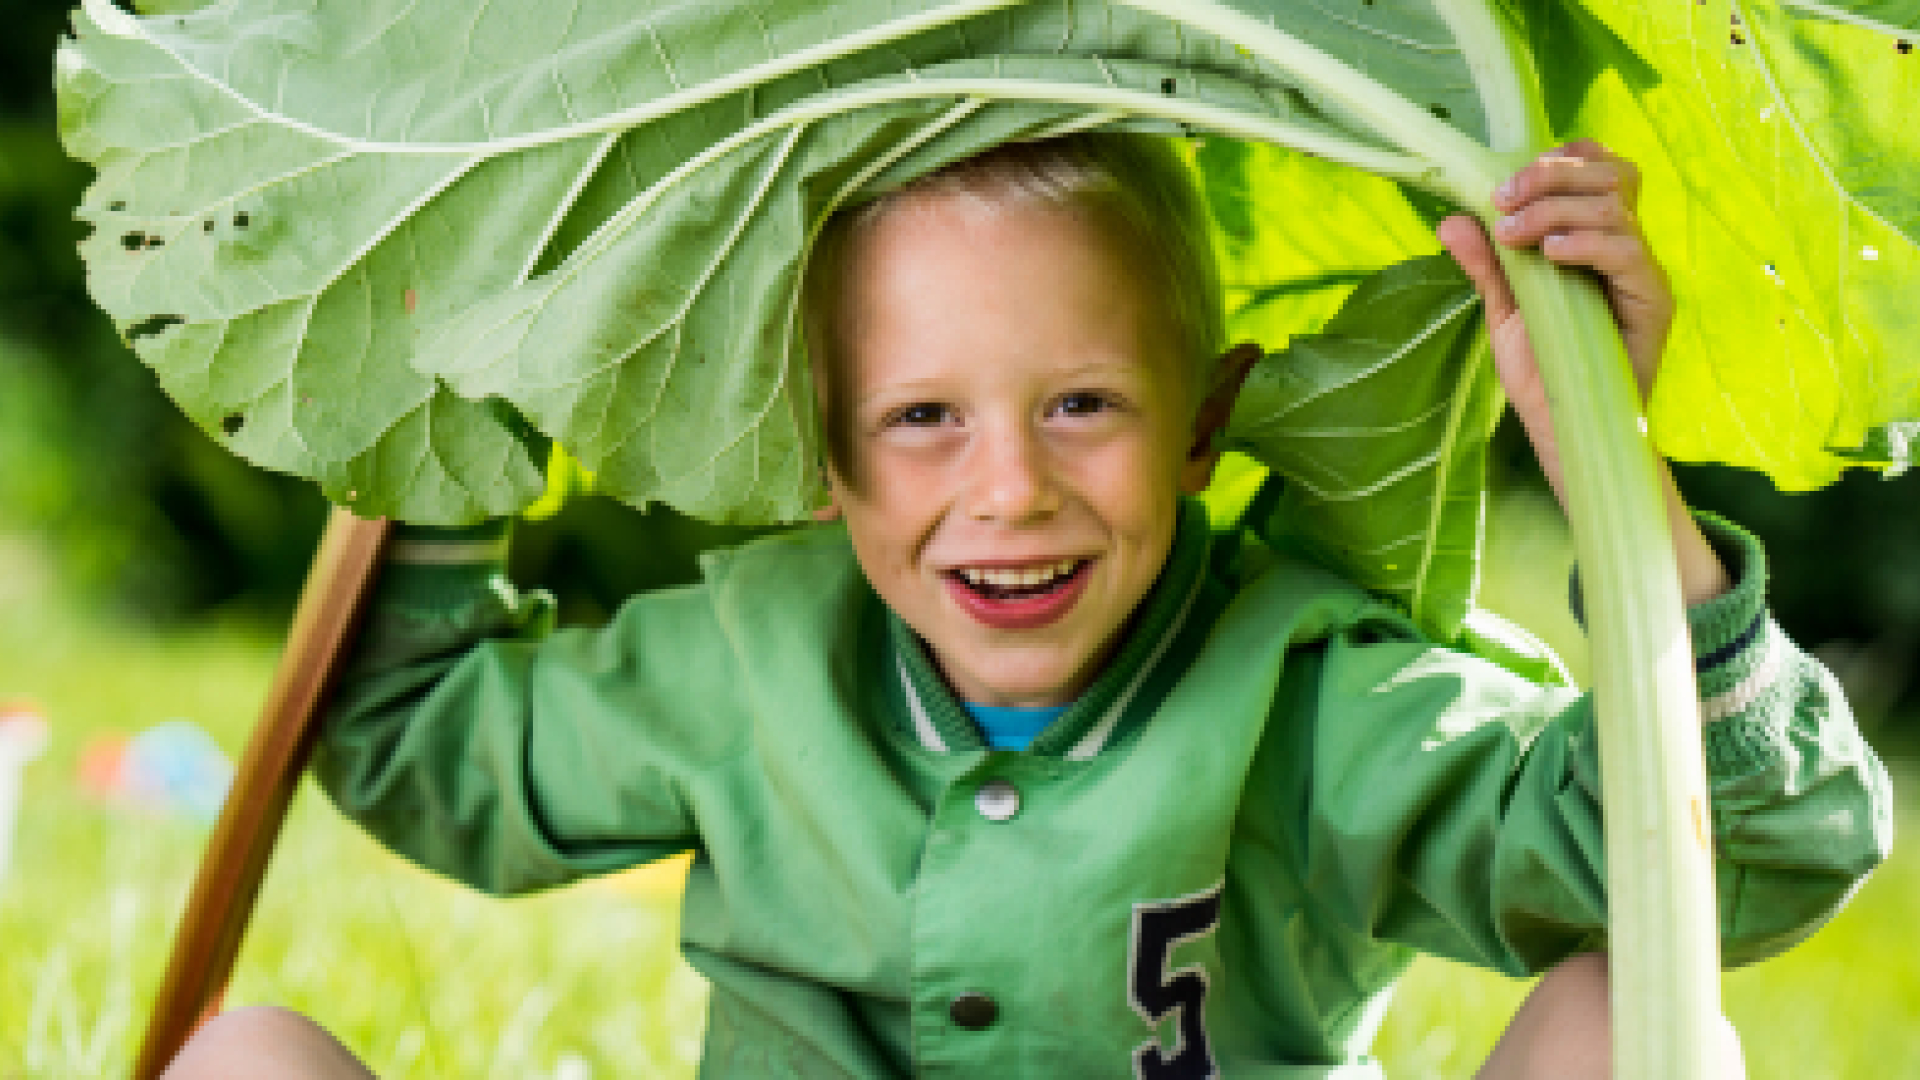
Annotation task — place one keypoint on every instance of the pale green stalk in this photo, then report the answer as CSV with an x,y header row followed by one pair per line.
x,y
1663,941
1663,937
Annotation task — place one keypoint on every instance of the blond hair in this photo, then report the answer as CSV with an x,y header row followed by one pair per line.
x,y
1134,185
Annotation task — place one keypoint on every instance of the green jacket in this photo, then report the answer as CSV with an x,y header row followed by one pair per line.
x,y
1222,856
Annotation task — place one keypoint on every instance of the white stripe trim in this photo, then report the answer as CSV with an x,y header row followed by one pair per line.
x,y
1740,695
427,553
922,724
1096,740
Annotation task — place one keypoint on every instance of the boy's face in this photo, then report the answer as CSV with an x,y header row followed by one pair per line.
x,y
1012,426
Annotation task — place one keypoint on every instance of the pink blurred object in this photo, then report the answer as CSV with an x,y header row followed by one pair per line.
x,y
23,735
171,767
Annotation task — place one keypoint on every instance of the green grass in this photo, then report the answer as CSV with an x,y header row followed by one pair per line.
x,y
425,979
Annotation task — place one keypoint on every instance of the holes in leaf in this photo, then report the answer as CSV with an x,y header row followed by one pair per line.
x,y
117,205
1168,86
154,241
152,325
232,424
1298,100
1736,39
1439,111
206,226
1903,47
133,241
240,219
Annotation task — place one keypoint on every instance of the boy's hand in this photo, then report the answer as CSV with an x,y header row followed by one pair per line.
x,y
1577,205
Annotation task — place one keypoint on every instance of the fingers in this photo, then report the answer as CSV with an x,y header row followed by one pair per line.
x,y
1467,242
1578,168
1577,205
1583,230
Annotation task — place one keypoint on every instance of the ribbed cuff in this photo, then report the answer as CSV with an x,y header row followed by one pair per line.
x,y
1731,621
431,567
1728,627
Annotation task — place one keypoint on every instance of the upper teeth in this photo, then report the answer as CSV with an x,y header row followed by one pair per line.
x,y
1014,578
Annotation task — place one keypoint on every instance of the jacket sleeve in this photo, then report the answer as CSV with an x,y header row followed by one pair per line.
x,y
1455,808
468,737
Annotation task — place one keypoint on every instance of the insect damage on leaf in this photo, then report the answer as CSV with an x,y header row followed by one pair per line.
x,y
152,326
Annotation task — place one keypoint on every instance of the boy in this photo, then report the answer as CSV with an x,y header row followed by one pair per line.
x,y
1248,792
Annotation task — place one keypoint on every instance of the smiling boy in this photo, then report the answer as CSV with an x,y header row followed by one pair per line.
x,y
1020,772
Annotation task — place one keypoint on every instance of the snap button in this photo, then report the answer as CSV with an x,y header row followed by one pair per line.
x,y
997,800
973,1010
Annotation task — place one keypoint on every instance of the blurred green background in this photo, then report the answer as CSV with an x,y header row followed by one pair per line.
x,y
145,575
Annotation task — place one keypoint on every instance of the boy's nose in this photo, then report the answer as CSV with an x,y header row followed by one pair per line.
x,y
1011,481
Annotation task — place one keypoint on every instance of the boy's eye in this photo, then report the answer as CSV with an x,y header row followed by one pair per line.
x,y
920,414
1083,403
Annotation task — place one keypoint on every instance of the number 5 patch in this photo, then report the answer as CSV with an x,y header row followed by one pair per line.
x,y
1159,928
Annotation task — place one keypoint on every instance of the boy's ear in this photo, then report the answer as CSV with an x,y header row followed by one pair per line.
x,y
831,511
1210,420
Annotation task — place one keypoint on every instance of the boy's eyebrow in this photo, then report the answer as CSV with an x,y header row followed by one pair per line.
x,y
910,386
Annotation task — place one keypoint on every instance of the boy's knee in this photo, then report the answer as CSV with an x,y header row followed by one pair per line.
x,y
1565,1029
263,1040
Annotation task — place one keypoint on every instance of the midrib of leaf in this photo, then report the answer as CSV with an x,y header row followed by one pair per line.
x,y
1443,472
1381,110
1842,15
115,21
1466,169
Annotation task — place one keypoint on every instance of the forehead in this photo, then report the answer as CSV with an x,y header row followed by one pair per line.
x,y
943,284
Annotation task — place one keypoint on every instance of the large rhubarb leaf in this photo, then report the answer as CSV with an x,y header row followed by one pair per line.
x,y
1780,155
359,241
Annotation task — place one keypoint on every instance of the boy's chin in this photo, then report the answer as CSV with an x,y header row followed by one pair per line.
x,y
1029,676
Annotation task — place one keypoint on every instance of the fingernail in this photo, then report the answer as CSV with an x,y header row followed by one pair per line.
x,y
1503,192
1508,224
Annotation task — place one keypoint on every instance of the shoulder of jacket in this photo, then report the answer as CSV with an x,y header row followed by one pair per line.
x,y
799,568
1313,601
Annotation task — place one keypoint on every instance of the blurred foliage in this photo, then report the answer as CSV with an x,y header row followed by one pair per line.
x,y
138,510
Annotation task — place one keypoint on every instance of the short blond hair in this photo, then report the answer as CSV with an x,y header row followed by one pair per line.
x,y
1135,185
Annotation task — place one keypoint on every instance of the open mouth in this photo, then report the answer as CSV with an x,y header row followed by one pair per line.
x,y
1019,598
1024,583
